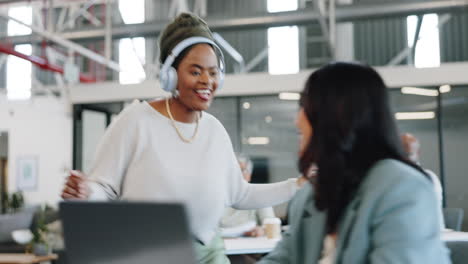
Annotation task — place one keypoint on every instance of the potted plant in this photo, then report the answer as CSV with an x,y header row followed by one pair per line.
x,y
39,243
16,201
5,202
12,203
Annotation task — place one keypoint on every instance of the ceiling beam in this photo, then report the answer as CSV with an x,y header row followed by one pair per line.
x,y
70,45
263,83
344,13
42,3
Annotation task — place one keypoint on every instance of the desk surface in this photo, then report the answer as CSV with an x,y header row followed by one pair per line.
x,y
261,245
249,245
454,236
24,258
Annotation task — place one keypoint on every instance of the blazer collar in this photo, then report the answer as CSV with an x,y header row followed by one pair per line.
x,y
313,227
313,224
345,228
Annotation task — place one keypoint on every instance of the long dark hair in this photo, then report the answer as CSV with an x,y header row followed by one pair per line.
x,y
353,128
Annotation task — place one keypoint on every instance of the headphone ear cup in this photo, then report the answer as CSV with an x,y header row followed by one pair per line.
x,y
172,79
221,80
163,79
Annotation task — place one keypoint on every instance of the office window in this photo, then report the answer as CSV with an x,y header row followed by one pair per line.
x,y
274,6
427,53
133,11
131,60
132,50
19,71
283,42
18,75
22,13
283,50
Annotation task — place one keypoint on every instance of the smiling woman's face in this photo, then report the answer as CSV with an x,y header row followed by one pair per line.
x,y
304,129
198,77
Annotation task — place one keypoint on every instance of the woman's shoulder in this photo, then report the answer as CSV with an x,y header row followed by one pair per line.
x,y
302,196
130,115
130,108
390,173
213,122
133,111
399,169
211,119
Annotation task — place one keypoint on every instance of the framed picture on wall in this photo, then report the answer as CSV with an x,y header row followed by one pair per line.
x,y
27,173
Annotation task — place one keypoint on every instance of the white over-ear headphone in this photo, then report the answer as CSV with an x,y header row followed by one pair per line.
x,y
168,74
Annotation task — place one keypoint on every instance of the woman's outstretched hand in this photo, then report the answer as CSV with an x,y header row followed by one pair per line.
x,y
76,186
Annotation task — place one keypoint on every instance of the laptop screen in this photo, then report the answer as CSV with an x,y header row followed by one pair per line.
x,y
126,232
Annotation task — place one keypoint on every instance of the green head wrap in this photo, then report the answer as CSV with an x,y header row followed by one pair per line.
x,y
184,26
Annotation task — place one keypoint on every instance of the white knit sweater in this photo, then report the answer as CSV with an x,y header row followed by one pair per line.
x,y
142,158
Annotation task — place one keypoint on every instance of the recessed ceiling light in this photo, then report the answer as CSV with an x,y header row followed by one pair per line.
x,y
258,140
419,91
414,115
289,96
445,88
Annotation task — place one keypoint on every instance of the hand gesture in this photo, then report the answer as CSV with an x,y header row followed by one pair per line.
x,y
76,186
256,232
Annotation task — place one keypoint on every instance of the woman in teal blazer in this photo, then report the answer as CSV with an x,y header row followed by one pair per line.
x,y
367,203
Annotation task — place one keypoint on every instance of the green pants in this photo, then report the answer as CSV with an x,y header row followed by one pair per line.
x,y
211,253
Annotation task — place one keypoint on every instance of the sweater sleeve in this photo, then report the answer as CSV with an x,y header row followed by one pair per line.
x,y
264,213
249,196
113,156
254,196
245,196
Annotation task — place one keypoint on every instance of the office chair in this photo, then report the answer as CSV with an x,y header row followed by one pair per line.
x,y
453,218
458,251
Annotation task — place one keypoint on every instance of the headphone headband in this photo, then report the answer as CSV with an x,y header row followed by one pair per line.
x,y
187,43
168,74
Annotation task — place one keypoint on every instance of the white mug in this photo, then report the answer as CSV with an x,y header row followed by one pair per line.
x,y
272,228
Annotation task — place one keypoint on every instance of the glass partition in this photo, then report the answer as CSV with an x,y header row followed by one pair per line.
x,y
225,109
455,132
269,135
417,114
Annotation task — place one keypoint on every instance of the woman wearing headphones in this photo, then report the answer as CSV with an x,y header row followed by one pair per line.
x,y
171,150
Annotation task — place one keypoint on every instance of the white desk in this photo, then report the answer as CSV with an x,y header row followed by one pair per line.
x,y
249,245
25,258
454,236
261,245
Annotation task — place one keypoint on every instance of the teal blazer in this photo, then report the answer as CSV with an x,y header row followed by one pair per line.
x,y
391,220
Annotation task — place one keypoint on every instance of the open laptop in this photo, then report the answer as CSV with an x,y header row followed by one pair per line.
x,y
126,232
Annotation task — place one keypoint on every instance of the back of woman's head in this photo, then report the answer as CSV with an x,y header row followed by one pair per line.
x,y
353,127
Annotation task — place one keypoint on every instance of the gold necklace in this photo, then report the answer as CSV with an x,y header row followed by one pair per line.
x,y
177,129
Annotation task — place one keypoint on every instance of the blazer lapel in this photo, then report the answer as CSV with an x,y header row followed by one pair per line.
x,y
313,226
344,231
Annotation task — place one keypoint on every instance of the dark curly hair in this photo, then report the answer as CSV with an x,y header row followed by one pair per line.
x,y
353,128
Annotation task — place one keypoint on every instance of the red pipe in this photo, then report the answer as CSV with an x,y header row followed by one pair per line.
x,y
3,2
41,63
